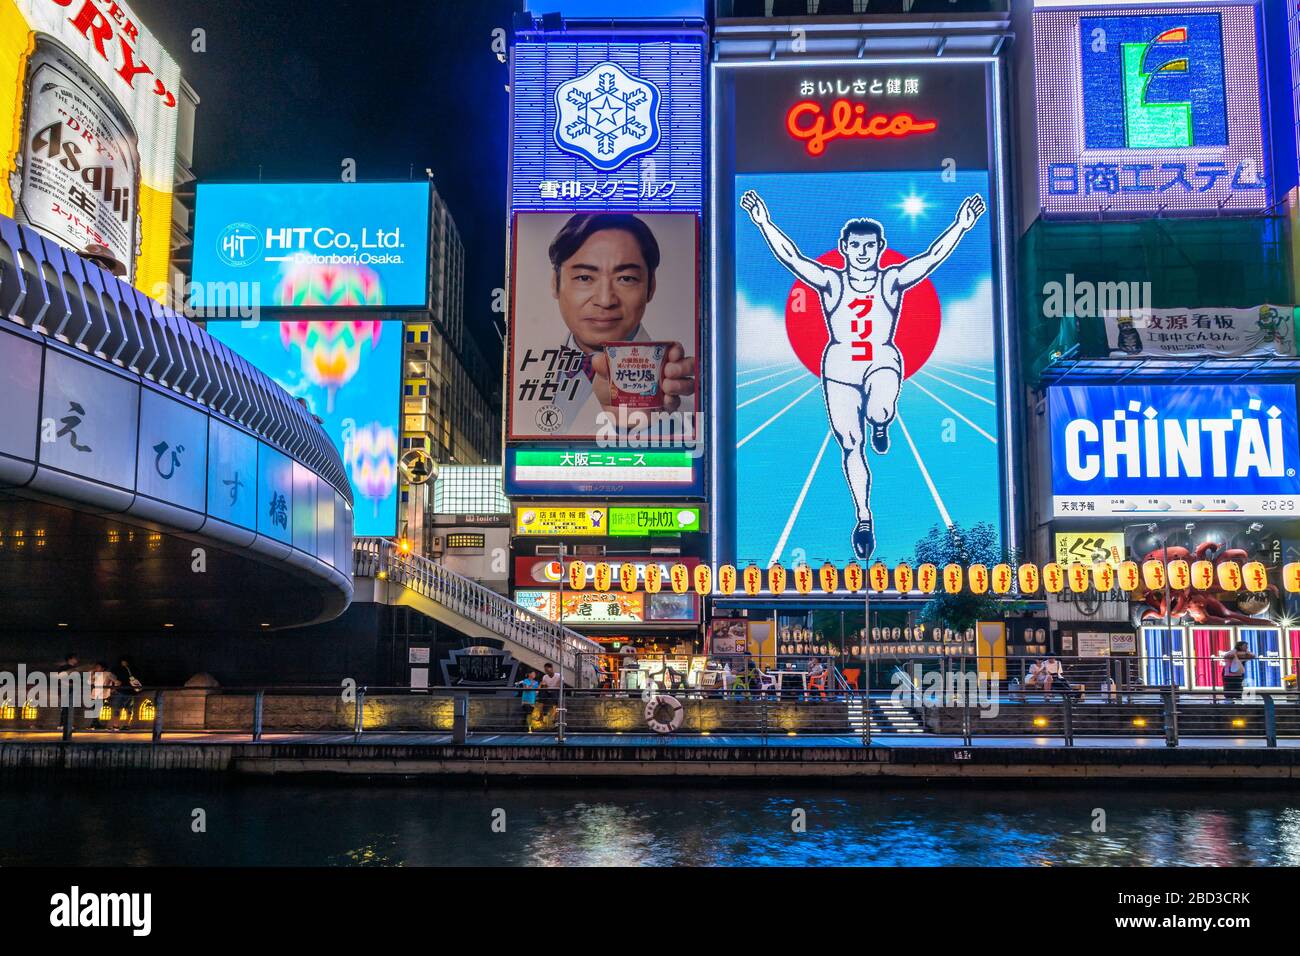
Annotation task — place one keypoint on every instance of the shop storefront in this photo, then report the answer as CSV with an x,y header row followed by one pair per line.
x,y
1201,475
639,632
1191,657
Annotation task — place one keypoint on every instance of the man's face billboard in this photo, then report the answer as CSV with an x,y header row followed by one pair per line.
x,y
583,282
603,289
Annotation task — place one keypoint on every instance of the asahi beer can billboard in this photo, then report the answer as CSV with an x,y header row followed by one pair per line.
x,y
91,99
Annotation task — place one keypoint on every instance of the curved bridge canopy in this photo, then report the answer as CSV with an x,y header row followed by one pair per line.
x,y
133,417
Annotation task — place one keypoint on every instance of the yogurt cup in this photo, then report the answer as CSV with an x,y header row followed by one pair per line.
x,y
636,373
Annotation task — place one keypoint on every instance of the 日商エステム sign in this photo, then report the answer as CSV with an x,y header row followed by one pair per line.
x,y
1142,109
1189,450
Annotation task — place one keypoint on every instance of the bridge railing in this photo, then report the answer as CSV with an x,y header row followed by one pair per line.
x,y
392,714
380,559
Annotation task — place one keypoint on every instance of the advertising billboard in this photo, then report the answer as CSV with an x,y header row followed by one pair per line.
x,y
634,522
1174,451
650,521
859,306
613,608
585,607
545,572
1293,36
600,124
604,326
295,245
603,473
1145,110
1089,547
600,9
1226,332
349,374
88,105
561,521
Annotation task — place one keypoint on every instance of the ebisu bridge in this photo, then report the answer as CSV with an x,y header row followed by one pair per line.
x,y
161,496
148,475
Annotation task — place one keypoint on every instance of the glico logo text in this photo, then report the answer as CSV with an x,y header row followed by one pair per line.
x,y
1153,82
1242,445
806,121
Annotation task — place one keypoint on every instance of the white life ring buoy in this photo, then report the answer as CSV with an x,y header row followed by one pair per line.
x,y
664,713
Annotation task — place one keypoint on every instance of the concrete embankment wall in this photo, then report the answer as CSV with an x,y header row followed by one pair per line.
x,y
675,761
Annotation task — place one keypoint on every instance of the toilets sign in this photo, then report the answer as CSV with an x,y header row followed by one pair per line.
x,y
1186,450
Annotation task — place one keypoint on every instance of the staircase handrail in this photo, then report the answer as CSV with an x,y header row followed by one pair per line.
x,y
380,558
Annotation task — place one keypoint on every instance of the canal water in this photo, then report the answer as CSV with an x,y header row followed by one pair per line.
x,y
152,822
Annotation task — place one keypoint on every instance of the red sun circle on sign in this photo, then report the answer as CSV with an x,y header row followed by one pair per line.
x,y
918,322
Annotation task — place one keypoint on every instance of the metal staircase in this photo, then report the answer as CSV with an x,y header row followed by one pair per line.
x,y
387,575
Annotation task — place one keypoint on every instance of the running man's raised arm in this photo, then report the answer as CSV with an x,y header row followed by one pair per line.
x,y
918,267
787,253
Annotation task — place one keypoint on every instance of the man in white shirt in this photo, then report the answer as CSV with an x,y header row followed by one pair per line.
x,y
1234,669
550,690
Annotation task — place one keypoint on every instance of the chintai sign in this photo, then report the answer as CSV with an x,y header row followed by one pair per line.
x,y
1186,450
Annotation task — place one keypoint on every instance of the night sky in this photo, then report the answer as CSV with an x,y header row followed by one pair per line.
x,y
297,86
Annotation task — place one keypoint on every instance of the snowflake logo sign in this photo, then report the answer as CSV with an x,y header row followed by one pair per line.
x,y
607,116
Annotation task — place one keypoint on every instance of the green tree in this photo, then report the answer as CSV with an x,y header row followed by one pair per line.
x,y
979,544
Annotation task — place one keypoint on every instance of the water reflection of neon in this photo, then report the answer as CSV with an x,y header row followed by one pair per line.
x,y
371,456
331,351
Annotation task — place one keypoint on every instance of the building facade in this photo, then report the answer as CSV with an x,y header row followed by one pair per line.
x,y
448,410
1112,188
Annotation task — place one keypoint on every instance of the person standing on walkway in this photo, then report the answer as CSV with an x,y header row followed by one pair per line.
x,y
1234,670
65,689
103,682
126,693
550,690
528,699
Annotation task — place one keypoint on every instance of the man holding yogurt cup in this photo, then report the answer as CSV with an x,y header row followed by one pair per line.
x,y
603,278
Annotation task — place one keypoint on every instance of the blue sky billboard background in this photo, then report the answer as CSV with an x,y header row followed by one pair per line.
x,y
349,374
792,501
